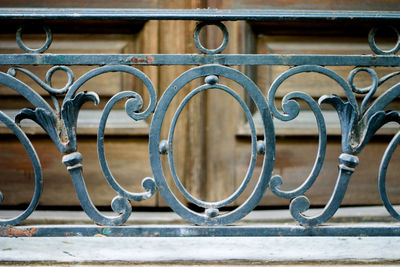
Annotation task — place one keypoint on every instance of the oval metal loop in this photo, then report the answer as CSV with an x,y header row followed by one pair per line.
x,y
44,47
36,168
197,37
382,176
212,218
376,49
253,158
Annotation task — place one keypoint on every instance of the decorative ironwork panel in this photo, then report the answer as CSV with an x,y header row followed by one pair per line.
x,y
359,121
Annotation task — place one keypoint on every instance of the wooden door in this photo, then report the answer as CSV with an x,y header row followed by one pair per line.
x,y
126,142
297,141
212,141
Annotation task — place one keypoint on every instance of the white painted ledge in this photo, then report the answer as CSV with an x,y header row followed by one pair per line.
x,y
200,250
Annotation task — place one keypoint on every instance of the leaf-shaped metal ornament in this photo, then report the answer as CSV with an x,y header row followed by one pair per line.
x,y
69,115
347,117
47,120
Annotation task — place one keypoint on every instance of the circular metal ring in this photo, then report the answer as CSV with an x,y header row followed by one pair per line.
x,y
365,90
374,47
44,47
197,37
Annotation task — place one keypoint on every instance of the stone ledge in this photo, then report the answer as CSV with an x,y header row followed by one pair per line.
x,y
200,250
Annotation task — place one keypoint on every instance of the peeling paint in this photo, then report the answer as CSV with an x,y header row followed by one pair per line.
x,y
17,232
139,59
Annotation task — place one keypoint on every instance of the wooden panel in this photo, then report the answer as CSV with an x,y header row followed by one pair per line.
x,y
211,159
80,4
177,37
305,125
294,161
306,4
227,4
295,155
118,123
105,85
127,159
155,37
312,83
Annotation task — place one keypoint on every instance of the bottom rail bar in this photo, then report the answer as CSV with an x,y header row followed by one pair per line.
x,y
196,231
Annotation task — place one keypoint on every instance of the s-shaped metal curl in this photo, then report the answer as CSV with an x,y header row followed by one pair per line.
x,y
301,204
119,204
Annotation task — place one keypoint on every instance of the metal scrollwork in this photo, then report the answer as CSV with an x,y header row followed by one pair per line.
x,y
358,125
120,204
61,124
358,122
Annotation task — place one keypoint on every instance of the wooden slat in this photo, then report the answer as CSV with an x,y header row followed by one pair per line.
x,y
223,113
72,44
312,83
75,3
118,123
127,158
129,162
294,161
305,4
306,125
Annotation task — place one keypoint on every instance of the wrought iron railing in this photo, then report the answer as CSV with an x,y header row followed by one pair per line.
x,y
358,122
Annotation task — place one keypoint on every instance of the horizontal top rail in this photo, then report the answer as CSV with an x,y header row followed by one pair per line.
x,y
198,59
196,14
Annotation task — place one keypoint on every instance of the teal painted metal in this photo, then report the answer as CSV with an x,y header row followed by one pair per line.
x,y
358,123
197,14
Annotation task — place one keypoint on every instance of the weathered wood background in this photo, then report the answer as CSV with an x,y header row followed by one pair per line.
x,y
212,144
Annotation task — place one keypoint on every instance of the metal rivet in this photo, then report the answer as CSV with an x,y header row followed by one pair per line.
x,y
211,212
261,147
211,79
72,159
348,160
163,147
